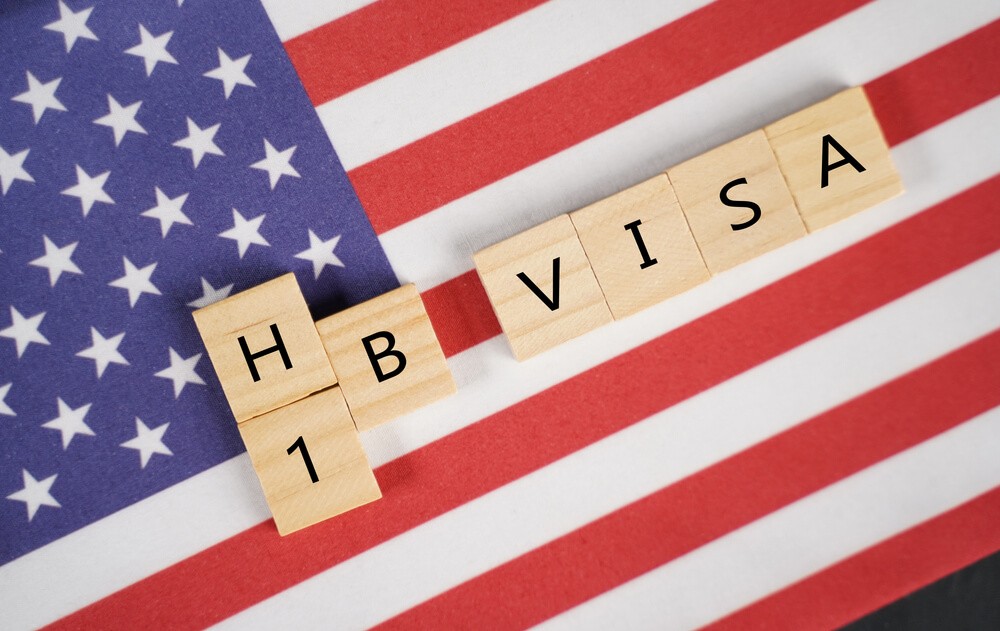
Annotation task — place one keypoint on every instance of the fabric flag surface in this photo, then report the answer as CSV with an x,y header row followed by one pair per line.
x,y
796,442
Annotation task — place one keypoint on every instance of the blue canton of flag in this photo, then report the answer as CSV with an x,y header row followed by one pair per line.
x,y
155,156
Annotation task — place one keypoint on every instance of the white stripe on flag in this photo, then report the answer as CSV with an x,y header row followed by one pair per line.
x,y
295,17
805,537
639,460
884,35
225,500
485,69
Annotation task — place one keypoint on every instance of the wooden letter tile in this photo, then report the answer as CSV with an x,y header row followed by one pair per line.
x,y
309,460
834,158
264,347
387,359
736,202
542,287
640,246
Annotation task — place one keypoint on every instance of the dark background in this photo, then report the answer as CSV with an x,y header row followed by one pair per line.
x,y
967,599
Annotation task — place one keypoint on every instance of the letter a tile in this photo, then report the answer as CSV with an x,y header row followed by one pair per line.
x,y
542,287
264,347
736,202
640,246
309,460
387,359
834,158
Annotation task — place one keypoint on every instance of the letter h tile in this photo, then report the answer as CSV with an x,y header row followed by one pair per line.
x,y
291,414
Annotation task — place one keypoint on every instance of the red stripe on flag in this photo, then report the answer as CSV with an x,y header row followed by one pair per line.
x,y
899,97
581,103
881,574
937,86
461,313
256,564
383,37
737,491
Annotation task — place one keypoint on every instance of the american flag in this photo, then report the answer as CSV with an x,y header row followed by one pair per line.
x,y
794,443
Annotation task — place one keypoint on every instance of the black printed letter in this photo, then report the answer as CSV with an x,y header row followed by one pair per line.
x,y
724,197
374,357
634,227
826,167
551,303
251,357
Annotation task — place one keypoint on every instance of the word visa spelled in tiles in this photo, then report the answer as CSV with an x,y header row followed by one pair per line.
x,y
708,214
294,415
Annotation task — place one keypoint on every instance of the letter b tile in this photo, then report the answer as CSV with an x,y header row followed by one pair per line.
x,y
542,287
264,347
386,356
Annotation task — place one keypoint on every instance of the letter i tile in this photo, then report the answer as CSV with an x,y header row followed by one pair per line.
x,y
640,246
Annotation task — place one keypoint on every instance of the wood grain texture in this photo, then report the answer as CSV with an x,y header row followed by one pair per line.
x,y
630,281
425,376
699,183
324,424
797,141
250,314
533,326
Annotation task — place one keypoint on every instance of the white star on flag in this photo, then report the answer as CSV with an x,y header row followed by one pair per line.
x,y
24,331
210,295
153,50
70,422
12,169
73,26
57,260
181,371
276,163
103,350
136,281
245,232
4,408
168,211
89,189
148,441
320,252
200,141
40,96
121,119
35,493
231,72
